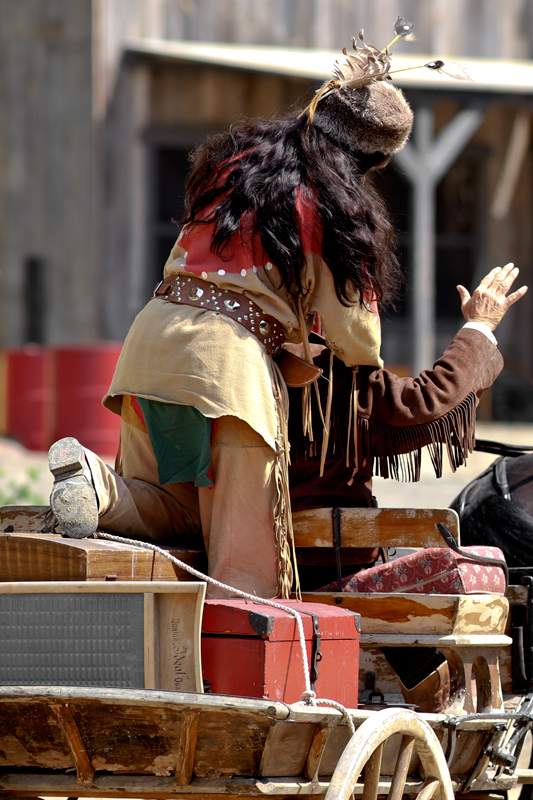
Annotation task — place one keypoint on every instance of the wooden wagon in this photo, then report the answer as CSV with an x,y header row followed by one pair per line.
x,y
76,741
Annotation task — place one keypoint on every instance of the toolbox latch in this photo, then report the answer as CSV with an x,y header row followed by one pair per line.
x,y
316,654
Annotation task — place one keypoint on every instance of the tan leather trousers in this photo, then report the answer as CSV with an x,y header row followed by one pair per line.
x,y
235,516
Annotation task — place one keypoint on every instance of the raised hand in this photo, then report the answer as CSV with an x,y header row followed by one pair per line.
x,y
489,303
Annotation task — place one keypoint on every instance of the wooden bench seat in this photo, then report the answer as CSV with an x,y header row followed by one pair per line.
x,y
371,527
469,630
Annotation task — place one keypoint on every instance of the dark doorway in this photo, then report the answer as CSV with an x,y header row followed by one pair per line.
x,y
171,169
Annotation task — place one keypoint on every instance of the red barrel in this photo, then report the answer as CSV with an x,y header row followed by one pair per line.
x,y
27,396
80,377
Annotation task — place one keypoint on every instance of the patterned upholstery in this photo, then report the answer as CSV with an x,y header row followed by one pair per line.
x,y
434,570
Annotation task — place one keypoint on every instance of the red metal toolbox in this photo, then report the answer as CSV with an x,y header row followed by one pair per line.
x,y
253,650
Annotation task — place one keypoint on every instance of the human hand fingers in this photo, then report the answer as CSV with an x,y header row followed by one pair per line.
x,y
464,294
512,298
496,276
489,302
469,303
503,279
489,277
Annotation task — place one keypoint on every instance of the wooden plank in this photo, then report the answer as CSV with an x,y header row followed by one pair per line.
x,y
151,645
316,751
157,788
26,556
114,561
368,527
164,570
435,614
273,745
524,775
187,748
179,621
23,518
38,557
428,640
153,788
371,659
149,738
286,749
141,698
466,27
29,557
84,767
97,587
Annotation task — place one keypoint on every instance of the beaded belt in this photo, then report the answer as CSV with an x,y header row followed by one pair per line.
x,y
189,291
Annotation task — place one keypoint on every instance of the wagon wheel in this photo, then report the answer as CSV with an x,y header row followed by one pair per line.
x,y
365,749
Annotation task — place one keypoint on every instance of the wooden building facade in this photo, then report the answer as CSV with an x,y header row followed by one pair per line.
x,y
102,100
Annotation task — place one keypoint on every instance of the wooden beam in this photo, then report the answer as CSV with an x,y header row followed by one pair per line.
x,y
512,166
424,163
316,751
187,748
84,767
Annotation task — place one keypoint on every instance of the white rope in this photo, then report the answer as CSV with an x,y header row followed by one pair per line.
x,y
344,711
308,696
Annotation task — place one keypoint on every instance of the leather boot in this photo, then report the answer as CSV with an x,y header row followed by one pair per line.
x,y
73,498
432,694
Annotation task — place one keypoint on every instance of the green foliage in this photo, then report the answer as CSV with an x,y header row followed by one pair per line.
x,y
22,492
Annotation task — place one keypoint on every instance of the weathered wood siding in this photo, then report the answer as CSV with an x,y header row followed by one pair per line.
x,y
75,128
48,169
487,28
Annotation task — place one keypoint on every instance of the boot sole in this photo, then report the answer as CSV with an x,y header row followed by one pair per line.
x,y
73,498
66,455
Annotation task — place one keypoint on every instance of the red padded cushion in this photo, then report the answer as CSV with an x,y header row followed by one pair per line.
x,y
434,570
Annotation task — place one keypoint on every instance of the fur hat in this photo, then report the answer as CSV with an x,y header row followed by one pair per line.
x,y
374,118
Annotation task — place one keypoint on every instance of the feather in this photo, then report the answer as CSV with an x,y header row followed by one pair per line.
x,y
405,30
450,68
367,65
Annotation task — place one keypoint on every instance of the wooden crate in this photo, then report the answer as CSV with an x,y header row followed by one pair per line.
x,y
50,557
28,555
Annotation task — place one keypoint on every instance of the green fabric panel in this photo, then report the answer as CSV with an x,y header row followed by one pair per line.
x,y
181,438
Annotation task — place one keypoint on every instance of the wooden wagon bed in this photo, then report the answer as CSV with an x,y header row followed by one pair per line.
x,y
75,742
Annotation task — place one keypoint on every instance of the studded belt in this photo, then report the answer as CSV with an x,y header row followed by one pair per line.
x,y
188,291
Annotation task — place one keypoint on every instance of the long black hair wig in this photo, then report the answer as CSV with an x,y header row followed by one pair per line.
x,y
254,170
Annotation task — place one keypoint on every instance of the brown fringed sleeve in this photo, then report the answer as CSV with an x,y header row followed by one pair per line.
x,y
396,418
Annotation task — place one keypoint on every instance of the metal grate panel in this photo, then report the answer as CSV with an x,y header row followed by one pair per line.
x,y
72,640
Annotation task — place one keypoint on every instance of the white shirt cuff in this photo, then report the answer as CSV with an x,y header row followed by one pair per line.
x,y
482,328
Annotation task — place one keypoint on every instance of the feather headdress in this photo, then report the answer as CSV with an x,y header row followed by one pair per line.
x,y
360,107
367,65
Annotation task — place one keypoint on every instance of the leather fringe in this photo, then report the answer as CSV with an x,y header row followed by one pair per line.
x,y
352,420
402,459
283,531
327,419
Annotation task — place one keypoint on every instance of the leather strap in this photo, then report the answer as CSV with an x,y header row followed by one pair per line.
x,y
296,371
500,478
191,291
